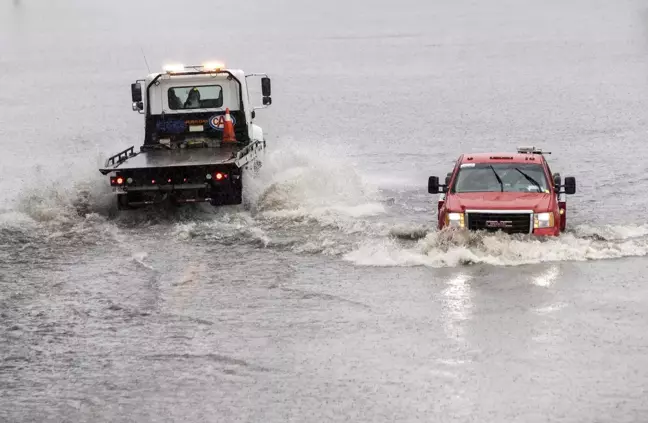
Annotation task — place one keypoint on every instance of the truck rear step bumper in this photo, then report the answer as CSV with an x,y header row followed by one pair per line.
x,y
177,201
164,188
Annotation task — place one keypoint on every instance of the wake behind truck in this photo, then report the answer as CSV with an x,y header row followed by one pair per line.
x,y
199,138
513,193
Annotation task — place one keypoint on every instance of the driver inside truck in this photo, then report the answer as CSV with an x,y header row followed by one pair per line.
x,y
193,99
174,102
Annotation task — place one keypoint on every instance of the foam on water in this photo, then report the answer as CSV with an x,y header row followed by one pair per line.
x,y
611,232
306,199
140,257
64,208
228,228
448,249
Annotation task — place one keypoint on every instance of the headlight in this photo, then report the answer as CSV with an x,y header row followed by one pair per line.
x,y
455,220
543,220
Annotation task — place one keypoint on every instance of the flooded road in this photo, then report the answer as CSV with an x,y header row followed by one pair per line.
x,y
332,297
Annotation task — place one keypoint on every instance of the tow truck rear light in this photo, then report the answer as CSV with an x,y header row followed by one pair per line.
x,y
219,176
116,180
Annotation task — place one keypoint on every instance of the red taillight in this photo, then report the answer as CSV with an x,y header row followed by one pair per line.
x,y
116,180
153,181
219,176
169,180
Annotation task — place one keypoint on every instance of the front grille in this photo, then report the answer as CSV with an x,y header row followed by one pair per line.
x,y
511,223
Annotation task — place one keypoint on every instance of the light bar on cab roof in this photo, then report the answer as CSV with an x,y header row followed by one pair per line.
x,y
531,150
173,68
214,66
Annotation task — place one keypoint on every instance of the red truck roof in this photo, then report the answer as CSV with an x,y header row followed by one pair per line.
x,y
501,158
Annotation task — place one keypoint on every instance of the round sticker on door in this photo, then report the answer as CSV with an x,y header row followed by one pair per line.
x,y
218,122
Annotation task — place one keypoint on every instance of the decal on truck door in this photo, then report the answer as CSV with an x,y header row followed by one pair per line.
x,y
218,121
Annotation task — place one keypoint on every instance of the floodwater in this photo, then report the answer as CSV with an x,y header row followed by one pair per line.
x,y
331,297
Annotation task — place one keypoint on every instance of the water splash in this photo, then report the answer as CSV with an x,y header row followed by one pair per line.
x,y
451,248
298,181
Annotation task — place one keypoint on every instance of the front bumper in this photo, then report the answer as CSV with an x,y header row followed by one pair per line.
x,y
507,221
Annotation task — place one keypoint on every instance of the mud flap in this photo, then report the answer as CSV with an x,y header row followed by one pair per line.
x,y
250,153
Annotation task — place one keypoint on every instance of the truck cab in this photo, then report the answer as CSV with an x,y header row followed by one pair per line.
x,y
188,103
515,193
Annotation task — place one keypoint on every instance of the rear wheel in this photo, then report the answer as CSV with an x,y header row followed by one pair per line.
x,y
226,200
231,196
123,202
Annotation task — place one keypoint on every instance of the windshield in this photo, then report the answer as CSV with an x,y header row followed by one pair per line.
x,y
200,97
501,177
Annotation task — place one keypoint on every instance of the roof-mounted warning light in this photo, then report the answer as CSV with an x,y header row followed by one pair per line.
x,y
213,66
531,150
205,67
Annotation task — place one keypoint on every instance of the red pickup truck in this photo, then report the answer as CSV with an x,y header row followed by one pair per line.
x,y
512,193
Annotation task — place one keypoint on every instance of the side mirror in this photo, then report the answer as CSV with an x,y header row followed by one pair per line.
x,y
433,184
136,92
265,87
267,101
570,185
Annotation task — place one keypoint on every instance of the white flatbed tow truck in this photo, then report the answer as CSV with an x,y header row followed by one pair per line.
x,y
199,138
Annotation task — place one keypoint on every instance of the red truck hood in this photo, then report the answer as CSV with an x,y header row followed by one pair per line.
x,y
538,202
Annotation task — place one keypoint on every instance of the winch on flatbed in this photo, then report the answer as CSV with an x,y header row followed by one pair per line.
x,y
199,138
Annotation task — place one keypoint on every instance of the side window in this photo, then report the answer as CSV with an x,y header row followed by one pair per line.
x,y
198,97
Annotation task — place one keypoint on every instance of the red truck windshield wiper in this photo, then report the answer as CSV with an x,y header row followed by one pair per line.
x,y
498,178
530,179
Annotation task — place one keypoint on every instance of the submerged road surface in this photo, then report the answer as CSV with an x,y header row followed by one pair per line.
x,y
332,297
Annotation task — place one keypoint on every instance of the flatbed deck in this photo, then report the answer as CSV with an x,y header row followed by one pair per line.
x,y
176,158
